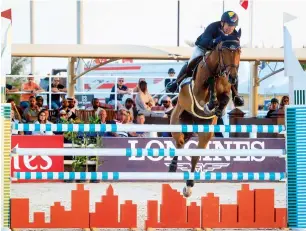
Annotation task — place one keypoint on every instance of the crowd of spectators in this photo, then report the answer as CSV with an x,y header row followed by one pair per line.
x,y
133,110
138,105
277,108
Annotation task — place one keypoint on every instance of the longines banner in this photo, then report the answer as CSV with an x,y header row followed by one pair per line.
x,y
37,163
206,163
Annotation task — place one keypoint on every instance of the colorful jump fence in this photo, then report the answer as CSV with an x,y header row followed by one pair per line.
x,y
295,154
148,128
162,176
254,209
139,152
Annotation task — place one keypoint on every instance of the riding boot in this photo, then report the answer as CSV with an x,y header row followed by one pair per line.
x,y
185,72
172,86
237,100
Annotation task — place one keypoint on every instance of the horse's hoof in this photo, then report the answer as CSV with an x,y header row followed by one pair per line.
x,y
207,111
238,101
187,191
219,112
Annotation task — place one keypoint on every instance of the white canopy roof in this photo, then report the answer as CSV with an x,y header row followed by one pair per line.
x,y
138,52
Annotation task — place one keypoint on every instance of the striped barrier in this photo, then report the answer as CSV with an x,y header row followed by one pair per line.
x,y
148,128
295,154
139,152
182,176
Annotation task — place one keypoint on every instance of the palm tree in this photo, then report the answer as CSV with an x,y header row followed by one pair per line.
x,y
17,67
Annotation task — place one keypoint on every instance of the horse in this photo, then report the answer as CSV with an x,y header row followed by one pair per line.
x,y
213,77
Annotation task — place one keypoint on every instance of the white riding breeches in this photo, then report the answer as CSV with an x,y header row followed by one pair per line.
x,y
196,53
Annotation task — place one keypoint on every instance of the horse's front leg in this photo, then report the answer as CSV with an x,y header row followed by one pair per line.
x,y
223,100
209,108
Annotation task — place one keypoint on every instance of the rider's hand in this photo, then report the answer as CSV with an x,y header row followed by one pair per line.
x,y
217,40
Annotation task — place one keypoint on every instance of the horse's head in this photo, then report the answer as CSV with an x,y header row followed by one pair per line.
x,y
229,51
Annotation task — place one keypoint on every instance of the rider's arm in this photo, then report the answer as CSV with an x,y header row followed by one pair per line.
x,y
205,40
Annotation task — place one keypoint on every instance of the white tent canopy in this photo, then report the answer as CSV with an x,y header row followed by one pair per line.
x,y
138,52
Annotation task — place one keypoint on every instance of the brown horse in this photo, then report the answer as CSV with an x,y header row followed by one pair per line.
x,y
219,65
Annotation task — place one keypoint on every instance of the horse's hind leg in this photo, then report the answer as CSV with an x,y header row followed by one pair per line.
x,y
204,138
177,136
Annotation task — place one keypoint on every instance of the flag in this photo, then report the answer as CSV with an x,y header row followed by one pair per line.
x,y
244,4
6,42
7,14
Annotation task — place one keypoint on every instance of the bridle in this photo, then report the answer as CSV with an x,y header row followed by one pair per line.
x,y
224,69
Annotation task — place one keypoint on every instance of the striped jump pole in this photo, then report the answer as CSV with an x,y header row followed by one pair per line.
x,y
296,165
139,152
148,128
180,176
5,166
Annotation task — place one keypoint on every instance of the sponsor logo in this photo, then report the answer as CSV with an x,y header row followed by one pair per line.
x,y
206,163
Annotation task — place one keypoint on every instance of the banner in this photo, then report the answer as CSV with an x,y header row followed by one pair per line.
x,y
206,163
37,163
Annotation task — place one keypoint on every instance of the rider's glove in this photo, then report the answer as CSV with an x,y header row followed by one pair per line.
x,y
216,40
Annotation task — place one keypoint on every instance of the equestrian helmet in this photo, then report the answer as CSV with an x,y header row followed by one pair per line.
x,y
230,17
171,71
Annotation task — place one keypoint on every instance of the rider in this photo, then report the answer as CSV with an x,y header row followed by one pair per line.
x,y
207,41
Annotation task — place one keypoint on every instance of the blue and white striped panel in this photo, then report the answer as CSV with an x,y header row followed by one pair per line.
x,y
148,128
296,166
201,176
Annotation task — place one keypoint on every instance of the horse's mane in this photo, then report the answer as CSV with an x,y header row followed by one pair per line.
x,y
230,42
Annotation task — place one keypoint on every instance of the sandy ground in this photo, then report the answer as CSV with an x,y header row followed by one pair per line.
x,y
42,196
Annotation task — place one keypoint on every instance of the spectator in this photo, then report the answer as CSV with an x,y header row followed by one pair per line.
x,y
15,116
121,90
284,101
56,87
63,116
71,109
103,116
64,106
156,99
144,101
130,106
168,107
141,120
95,106
171,73
136,89
16,111
31,112
273,107
40,102
122,118
30,87
10,88
42,119
130,118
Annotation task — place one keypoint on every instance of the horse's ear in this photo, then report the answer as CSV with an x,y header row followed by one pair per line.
x,y
239,33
